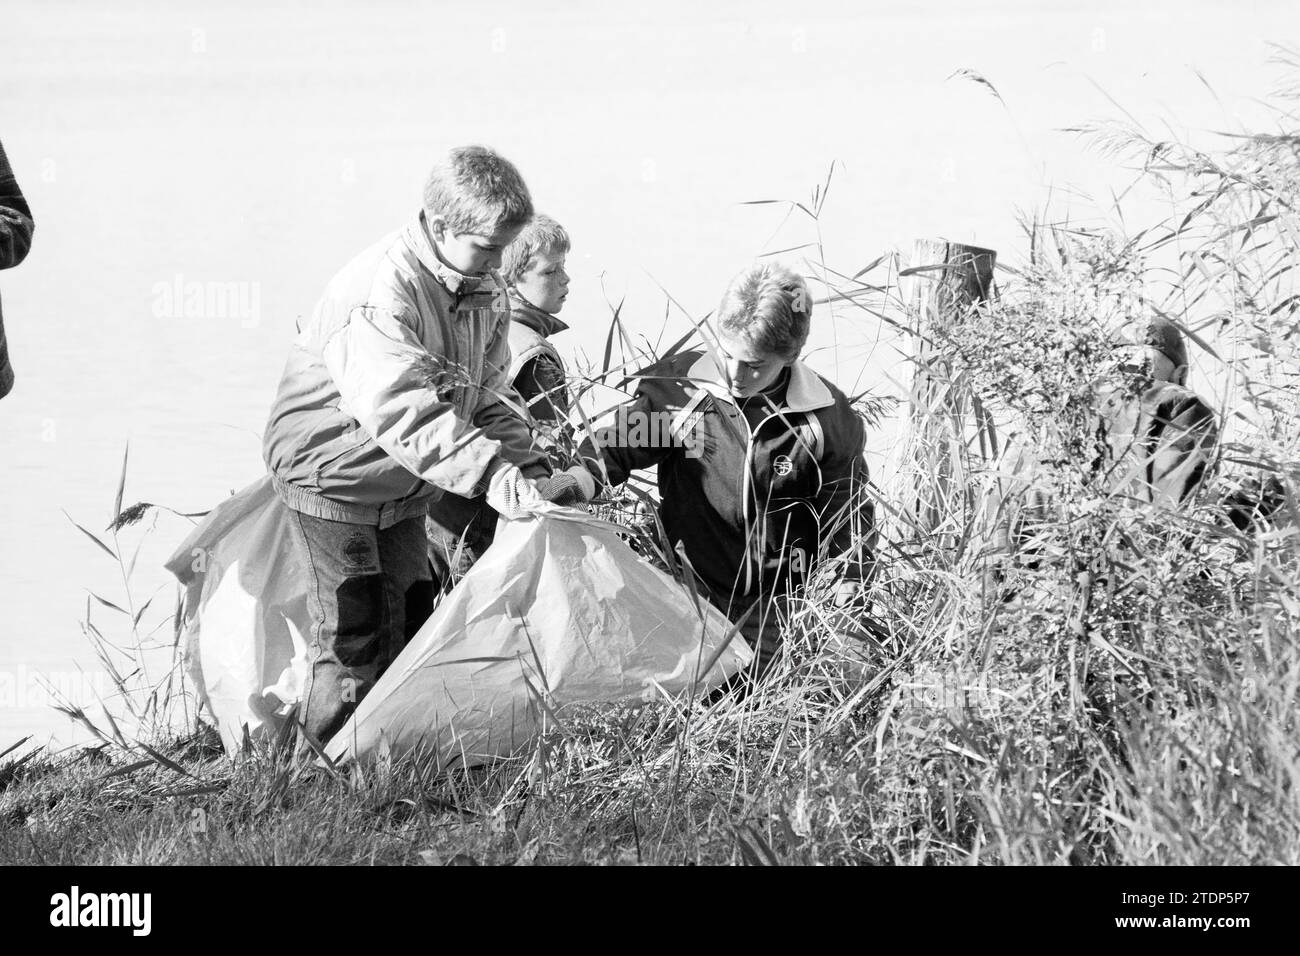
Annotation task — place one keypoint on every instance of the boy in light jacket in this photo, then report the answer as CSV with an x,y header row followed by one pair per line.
x,y
396,392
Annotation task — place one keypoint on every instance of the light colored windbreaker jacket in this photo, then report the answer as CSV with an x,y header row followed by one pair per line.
x,y
536,369
396,389
529,331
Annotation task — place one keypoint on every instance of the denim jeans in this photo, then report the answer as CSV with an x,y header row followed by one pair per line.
x,y
369,591
460,530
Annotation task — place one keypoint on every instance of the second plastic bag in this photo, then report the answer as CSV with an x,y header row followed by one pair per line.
x,y
245,618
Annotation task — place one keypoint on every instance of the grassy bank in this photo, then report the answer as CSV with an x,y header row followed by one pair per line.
x,y
1120,686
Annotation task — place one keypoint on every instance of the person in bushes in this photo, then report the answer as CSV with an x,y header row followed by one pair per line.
x,y
760,474
1160,433
1160,439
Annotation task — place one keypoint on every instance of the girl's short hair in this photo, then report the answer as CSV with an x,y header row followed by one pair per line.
x,y
541,236
475,189
769,305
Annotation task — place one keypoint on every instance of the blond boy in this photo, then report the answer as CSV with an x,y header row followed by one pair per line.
x,y
533,270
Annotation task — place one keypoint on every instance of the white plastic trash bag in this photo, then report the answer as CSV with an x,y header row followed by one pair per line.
x,y
562,589
245,613
558,610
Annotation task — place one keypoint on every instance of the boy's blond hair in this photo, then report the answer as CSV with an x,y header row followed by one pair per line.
x,y
768,304
477,190
541,236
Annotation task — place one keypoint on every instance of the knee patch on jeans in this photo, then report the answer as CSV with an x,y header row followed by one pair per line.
x,y
361,609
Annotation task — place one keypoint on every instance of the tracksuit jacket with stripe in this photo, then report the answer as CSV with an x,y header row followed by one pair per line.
x,y
756,491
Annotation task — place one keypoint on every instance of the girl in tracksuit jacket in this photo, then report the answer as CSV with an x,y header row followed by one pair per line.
x,y
759,458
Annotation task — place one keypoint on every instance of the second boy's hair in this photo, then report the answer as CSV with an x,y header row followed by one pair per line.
x,y
476,189
769,305
541,236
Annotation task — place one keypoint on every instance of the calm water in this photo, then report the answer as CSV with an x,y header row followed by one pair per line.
x,y
248,152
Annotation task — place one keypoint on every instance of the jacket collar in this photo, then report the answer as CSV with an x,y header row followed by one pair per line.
x,y
417,236
805,392
527,314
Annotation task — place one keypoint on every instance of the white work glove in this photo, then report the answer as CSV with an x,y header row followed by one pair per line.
x,y
569,487
512,495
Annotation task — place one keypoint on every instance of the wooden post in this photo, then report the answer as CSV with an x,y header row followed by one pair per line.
x,y
943,282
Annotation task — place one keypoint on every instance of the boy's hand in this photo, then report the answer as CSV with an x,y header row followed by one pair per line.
x,y
511,494
572,486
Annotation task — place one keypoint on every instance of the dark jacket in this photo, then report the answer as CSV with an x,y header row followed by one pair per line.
x,y
1160,447
536,369
15,239
1161,442
757,493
